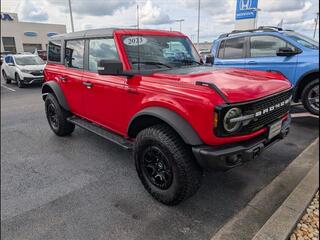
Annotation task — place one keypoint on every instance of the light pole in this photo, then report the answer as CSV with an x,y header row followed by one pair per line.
x,y
198,23
71,17
180,22
316,24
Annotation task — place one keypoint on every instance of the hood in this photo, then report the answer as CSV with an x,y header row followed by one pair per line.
x,y
238,85
31,67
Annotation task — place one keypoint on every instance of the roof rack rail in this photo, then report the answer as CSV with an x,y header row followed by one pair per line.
x,y
259,29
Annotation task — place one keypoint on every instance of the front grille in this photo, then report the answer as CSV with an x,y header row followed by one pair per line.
x,y
254,107
37,73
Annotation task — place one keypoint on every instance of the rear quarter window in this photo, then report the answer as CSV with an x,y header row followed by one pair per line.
x,y
54,51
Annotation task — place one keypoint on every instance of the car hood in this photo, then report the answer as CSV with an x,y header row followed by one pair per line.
x,y
238,85
31,67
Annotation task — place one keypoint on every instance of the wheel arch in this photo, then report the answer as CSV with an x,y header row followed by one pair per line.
x,y
155,115
53,87
303,81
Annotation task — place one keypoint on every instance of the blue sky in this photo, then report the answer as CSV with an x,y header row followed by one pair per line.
x,y
217,16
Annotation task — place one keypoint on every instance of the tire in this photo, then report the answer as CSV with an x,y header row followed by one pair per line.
x,y
5,77
310,97
19,82
177,177
57,117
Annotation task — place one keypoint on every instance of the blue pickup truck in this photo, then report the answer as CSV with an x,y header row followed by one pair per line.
x,y
274,49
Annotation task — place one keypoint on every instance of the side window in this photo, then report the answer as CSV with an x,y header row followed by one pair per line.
x,y
234,48
74,51
7,59
101,49
266,46
221,50
54,52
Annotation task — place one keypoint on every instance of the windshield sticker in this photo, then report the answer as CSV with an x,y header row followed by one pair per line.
x,y
135,41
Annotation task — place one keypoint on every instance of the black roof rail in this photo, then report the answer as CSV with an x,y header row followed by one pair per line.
x,y
259,29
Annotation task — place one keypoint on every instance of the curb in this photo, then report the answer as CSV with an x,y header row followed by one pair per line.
x,y
283,221
247,223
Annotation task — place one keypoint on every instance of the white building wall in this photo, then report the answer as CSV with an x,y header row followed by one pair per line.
x,y
17,29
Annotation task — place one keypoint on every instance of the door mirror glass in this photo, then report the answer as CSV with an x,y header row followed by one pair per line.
x,y
110,67
286,51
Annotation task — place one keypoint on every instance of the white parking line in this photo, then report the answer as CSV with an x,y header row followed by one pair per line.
x,y
8,88
305,114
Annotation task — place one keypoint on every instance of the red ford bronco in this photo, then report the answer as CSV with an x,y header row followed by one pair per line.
x,y
149,91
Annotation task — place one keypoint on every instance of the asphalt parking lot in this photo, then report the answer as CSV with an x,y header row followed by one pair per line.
x,y
83,187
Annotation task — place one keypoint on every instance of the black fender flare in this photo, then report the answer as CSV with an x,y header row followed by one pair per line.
x,y
52,86
174,120
295,93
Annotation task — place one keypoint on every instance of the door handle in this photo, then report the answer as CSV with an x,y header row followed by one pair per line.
x,y
87,84
253,62
63,78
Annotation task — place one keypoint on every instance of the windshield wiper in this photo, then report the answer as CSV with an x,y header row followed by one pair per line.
x,y
152,63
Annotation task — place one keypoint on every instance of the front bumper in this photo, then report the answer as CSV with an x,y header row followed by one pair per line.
x,y
229,156
31,80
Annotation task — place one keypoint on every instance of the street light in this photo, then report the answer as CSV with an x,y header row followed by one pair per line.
x,y
71,17
316,24
180,21
198,23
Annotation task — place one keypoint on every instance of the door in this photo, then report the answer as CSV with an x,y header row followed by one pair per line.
x,y
70,75
231,53
103,94
10,69
263,55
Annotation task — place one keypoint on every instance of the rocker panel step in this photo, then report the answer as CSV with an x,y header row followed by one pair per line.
x,y
102,132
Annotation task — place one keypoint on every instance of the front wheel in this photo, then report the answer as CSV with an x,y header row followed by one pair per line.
x,y
57,117
165,165
19,81
310,97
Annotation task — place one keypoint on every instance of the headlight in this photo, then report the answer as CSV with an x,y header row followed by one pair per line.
x,y
229,126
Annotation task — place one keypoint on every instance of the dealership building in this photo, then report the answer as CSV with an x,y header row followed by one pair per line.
x,y
17,37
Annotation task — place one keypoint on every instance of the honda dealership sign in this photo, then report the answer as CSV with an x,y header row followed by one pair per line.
x,y
246,9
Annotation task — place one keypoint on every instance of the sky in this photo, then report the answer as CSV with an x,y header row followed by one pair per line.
x,y
217,16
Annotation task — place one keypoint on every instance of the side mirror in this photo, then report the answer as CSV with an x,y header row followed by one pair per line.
x,y
209,59
286,52
110,67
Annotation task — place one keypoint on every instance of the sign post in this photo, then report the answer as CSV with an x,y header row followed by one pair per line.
x,y
246,14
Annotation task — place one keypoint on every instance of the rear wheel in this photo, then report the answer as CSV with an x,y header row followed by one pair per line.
x,y
5,77
310,97
165,165
57,117
19,81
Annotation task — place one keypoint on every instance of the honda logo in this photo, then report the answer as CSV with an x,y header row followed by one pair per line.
x,y
245,4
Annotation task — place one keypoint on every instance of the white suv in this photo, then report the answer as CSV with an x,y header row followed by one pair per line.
x,y
23,69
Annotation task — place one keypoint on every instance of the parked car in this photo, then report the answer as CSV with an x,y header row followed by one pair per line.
x,y
274,49
41,53
178,116
23,69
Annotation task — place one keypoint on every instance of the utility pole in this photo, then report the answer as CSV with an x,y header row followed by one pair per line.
x,y
198,23
316,25
138,21
71,17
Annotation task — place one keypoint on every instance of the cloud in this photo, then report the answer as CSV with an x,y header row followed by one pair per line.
x,y
280,6
93,7
153,15
32,11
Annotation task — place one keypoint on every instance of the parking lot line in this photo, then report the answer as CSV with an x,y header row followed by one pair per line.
x,y
304,114
8,88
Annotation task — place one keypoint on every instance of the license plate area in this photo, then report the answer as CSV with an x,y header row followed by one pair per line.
x,y
274,129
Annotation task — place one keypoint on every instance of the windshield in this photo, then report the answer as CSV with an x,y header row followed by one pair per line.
x,y
303,40
159,52
28,60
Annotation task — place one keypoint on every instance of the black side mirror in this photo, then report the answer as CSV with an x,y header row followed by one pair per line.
x,y
209,59
110,67
286,52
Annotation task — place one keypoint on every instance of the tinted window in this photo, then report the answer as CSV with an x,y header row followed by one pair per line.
x,y
8,59
74,54
9,44
266,46
221,50
234,48
101,49
54,51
